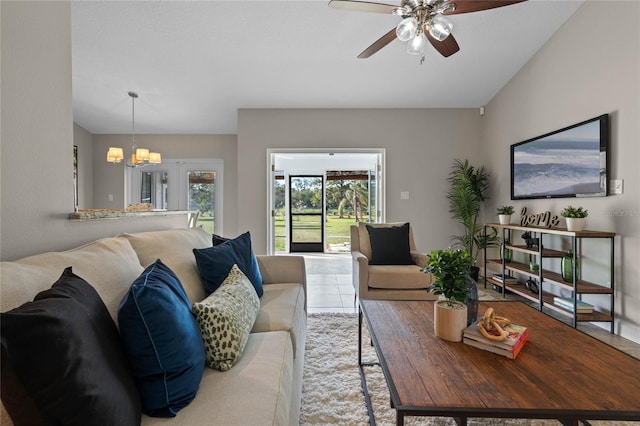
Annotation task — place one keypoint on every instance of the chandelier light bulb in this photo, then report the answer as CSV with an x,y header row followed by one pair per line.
x,y
407,29
439,28
416,45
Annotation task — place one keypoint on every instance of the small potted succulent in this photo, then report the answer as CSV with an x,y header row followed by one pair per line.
x,y
575,217
450,268
504,214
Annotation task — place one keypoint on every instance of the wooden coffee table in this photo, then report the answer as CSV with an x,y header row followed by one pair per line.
x,y
560,374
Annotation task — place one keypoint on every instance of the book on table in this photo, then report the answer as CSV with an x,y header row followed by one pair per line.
x,y
508,353
567,303
517,336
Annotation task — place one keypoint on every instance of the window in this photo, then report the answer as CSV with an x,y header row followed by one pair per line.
x,y
181,184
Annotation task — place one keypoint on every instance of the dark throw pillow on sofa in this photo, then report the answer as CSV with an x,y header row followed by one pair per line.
x,y
215,263
66,352
216,240
390,245
162,340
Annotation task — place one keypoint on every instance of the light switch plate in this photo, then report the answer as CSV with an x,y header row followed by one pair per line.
x,y
404,195
616,186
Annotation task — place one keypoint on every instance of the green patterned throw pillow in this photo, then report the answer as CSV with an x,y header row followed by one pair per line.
x,y
226,318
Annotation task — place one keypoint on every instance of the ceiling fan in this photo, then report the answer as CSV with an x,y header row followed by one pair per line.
x,y
422,20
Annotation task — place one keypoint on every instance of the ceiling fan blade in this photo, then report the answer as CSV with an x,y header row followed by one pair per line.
x,y
466,6
447,47
363,6
378,44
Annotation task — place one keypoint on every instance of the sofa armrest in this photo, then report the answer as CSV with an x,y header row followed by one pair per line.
x,y
419,259
360,266
282,269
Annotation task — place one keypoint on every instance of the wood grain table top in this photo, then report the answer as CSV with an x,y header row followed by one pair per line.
x,y
561,372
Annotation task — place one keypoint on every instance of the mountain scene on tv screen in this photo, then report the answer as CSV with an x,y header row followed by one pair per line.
x,y
566,163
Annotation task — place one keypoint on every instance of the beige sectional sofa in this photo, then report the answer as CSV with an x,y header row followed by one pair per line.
x,y
264,388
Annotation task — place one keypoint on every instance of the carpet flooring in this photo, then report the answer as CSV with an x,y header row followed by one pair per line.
x,y
332,393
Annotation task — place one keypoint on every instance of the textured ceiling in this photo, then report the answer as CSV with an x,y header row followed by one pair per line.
x,y
194,64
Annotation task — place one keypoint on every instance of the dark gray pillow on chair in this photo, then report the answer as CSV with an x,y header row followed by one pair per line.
x,y
390,245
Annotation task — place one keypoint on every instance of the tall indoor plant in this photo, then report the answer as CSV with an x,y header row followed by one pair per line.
x,y
450,269
469,186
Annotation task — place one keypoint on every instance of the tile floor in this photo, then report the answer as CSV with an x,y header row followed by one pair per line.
x,y
329,289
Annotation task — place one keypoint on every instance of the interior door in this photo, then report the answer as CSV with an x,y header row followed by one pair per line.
x,y
306,213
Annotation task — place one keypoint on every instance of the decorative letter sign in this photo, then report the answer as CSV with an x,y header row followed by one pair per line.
x,y
540,219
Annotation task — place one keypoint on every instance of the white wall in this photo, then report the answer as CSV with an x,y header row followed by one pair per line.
x,y
37,128
421,145
587,68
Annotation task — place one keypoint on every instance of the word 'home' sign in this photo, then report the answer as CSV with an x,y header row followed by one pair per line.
x,y
538,219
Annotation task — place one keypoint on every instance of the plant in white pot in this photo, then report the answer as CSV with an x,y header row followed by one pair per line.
x,y
575,217
504,214
450,269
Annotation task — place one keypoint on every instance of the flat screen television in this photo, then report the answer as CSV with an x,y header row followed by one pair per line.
x,y
569,162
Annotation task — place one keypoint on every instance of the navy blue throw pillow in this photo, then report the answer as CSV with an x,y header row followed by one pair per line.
x,y
390,245
162,340
215,263
65,351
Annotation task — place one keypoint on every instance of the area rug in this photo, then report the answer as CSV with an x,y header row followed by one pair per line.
x,y
332,393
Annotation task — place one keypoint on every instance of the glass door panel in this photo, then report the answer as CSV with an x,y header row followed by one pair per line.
x,y
306,213
153,189
201,197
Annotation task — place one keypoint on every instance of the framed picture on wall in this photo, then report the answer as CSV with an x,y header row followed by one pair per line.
x,y
75,178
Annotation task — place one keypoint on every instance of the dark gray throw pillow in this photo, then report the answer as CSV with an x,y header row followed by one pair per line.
x,y
390,245
66,351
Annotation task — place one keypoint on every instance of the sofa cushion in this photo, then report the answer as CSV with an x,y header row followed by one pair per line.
x,y
214,263
282,309
162,340
174,247
256,391
390,245
109,264
66,352
226,318
399,277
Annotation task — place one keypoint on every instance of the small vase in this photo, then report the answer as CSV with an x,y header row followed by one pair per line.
x,y
567,267
472,304
505,219
508,254
575,224
449,321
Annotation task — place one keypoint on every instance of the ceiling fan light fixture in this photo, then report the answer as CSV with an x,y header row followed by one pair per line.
x,y
417,44
439,28
407,29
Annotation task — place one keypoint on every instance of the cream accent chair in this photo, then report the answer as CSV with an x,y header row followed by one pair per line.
x,y
387,282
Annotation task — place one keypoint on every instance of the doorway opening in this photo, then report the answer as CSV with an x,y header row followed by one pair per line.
x,y
314,197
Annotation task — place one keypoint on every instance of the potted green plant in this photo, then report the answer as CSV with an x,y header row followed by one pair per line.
x,y
450,269
575,217
469,186
504,214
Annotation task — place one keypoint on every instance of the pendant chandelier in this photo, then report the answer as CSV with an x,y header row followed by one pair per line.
x,y
139,156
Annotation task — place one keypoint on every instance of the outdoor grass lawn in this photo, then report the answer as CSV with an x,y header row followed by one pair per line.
x,y
337,231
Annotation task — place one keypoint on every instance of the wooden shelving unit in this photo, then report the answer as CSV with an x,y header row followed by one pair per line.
x,y
543,298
